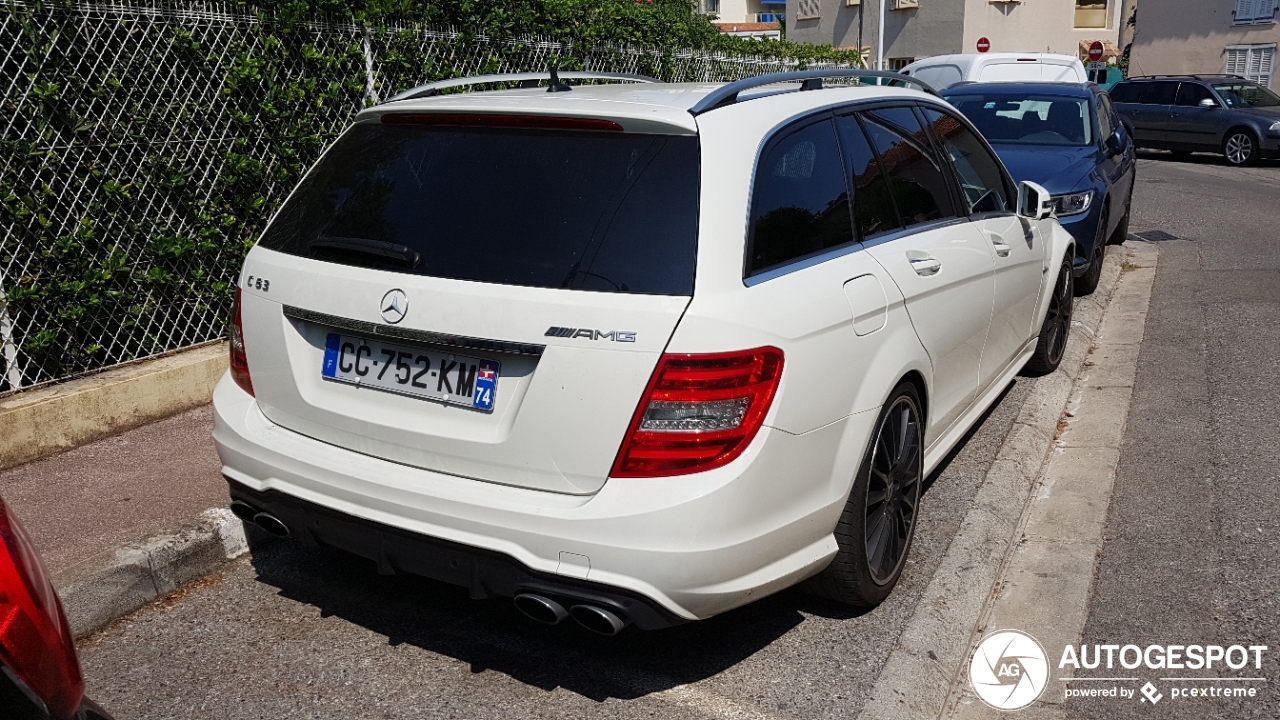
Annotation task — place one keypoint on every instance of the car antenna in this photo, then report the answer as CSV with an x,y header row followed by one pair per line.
x,y
556,85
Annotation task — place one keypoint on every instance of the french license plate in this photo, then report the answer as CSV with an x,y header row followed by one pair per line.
x,y
455,379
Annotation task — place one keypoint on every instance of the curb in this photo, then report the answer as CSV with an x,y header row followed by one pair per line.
x,y
40,422
917,677
114,584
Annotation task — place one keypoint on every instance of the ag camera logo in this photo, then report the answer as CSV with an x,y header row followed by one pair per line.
x,y
1009,670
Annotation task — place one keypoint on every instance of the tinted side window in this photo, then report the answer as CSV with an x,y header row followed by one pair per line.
x,y
1158,93
1125,92
983,183
1190,95
920,188
1105,128
873,208
799,205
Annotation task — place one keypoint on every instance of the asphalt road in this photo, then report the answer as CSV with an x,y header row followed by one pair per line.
x,y
1192,552
294,632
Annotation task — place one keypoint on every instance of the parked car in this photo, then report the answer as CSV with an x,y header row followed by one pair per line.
x,y
40,676
1068,138
635,353
1106,77
1201,113
943,71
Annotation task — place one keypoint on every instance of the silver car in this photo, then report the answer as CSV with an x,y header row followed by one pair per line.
x,y
1201,113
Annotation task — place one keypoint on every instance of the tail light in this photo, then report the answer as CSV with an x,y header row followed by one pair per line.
x,y
35,640
699,412
239,361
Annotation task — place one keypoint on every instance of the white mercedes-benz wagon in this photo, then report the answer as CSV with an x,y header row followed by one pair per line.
x,y
634,352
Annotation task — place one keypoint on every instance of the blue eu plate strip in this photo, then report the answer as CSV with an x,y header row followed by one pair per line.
x,y
330,368
486,384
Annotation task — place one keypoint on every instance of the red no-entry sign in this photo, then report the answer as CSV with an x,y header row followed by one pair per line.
x,y
1095,51
983,44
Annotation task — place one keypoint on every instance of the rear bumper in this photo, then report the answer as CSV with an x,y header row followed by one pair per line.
x,y
662,550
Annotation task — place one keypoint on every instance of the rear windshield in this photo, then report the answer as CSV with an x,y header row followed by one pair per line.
x,y
1022,119
555,209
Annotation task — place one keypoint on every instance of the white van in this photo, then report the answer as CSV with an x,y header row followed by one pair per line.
x,y
946,70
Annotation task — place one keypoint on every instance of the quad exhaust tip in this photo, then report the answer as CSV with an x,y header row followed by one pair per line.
x,y
542,609
548,611
598,620
266,521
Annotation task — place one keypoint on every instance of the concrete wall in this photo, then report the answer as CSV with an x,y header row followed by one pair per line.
x,y
1039,26
737,11
933,29
940,27
1191,36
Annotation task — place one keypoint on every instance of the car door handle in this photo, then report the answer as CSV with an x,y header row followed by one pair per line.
x,y
925,266
1002,248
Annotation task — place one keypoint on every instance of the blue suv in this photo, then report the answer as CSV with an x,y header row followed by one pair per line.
x,y
1068,138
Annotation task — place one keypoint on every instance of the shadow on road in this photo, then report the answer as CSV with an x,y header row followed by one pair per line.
x,y
493,635
1199,158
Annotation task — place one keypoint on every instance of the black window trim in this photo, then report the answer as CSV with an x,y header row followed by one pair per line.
x,y
1010,187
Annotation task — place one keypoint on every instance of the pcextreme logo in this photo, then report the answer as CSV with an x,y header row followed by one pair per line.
x,y
1009,670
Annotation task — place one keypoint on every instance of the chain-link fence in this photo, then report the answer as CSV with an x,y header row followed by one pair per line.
x,y
145,147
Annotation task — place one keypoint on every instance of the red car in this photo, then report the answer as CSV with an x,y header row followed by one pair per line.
x,y
40,677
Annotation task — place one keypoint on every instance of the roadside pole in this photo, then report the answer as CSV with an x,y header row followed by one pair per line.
x,y
10,350
880,40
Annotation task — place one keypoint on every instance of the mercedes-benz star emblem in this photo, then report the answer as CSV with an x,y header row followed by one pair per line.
x,y
395,305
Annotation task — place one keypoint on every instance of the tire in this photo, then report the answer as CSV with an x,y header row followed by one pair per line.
x,y
1122,230
1088,282
1056,328
891,478
1240,147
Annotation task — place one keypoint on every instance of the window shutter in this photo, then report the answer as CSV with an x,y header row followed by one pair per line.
x,y
1266,65
1246,11
1237,61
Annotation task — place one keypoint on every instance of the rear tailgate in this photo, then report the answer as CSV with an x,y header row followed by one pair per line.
x,y
556,263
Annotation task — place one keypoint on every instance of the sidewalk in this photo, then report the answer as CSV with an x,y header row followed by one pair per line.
x,y
126,488
125,520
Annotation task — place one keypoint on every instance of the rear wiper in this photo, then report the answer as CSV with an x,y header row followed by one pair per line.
x,y
378,248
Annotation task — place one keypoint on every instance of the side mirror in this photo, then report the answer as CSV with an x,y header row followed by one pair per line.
x,y
1208,103
1034,202
1115,143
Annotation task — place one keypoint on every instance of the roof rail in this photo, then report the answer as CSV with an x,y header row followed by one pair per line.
x,y
1187,75
728,94
526,79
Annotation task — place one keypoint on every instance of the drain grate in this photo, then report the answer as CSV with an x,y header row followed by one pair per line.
x,y
1156,236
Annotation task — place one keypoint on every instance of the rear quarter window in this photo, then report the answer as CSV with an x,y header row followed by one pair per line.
x,y
602,211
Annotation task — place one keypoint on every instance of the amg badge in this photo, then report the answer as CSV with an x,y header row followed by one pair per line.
x,y
614,335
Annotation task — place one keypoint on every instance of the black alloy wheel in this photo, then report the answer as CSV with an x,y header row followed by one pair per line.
x,y
893,490
1240,148
1056,329
877,525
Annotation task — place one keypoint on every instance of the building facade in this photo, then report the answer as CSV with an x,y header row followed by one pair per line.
x,y
917,29
744,11
1177,37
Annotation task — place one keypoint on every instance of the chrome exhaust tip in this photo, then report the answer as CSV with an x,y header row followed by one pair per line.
x,y
598,620
542,609
243,510
271,524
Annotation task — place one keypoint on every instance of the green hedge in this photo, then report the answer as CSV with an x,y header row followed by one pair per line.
x,y
148,145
